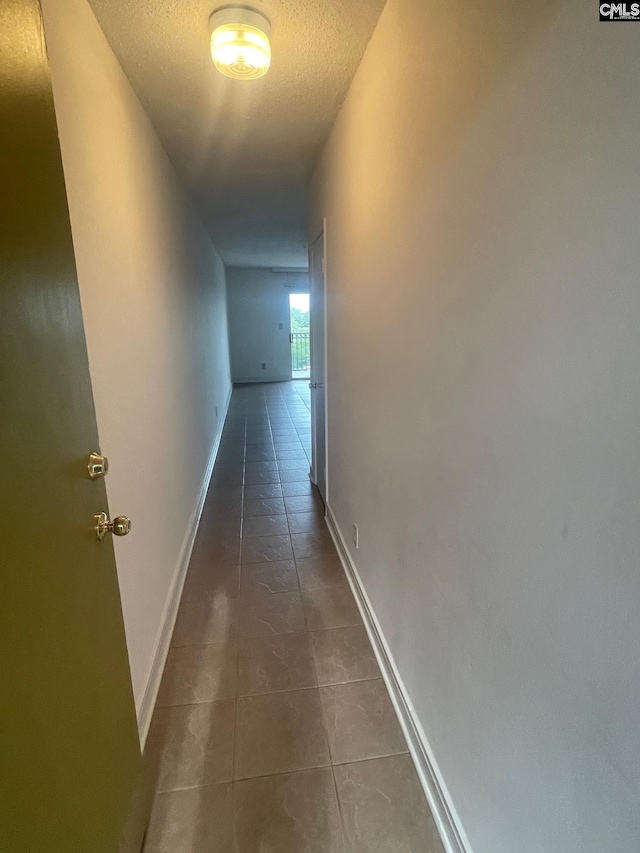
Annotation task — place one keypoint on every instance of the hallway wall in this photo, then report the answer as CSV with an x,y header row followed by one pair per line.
x,y
258,308
483,401
153,297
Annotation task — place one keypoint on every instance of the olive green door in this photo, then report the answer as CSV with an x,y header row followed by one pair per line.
x,y
69,751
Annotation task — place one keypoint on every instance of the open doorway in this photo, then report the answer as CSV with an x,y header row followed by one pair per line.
x,y
299,337
318,353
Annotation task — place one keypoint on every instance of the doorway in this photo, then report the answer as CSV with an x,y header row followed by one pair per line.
x,y
299,335
318,356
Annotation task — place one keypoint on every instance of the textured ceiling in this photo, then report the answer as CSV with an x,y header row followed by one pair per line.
x,y
245,149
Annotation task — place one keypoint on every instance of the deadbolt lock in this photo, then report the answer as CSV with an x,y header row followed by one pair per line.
x,y
98,466
120,526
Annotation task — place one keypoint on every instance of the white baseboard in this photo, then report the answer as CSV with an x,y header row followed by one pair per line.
x,y
261,380
163,639
444,814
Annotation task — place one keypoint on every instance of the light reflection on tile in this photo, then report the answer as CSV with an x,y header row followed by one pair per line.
x,y
197,820
195,744
210,581
206,621
243,632
201,673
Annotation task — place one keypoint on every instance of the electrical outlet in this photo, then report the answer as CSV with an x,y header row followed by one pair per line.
x,y
264,365
355,536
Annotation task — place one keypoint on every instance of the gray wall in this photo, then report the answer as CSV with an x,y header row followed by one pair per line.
x,y
258,304
483,200
152,288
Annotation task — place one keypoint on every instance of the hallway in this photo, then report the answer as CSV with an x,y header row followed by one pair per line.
x,y
185,668
275,729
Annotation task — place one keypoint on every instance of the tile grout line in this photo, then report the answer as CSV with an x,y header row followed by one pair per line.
x,y
322,710
235,702
329,766
237,661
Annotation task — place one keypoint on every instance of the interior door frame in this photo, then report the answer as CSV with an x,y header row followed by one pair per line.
x,y
321,234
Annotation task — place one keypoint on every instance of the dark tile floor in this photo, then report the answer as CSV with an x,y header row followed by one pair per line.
x,y
274,727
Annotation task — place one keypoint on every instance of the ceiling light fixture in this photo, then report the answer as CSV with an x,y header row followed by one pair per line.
x,y
240,45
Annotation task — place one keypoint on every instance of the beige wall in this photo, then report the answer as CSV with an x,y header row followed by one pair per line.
x,y
483,200
153,298
259,322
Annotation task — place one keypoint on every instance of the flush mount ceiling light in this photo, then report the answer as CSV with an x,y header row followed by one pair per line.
x,y
240,42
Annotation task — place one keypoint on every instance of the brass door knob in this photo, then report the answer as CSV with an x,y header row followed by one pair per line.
x,y
120,526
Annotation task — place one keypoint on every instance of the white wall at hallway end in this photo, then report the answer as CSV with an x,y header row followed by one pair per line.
x,y
259,322
483,401
153,297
